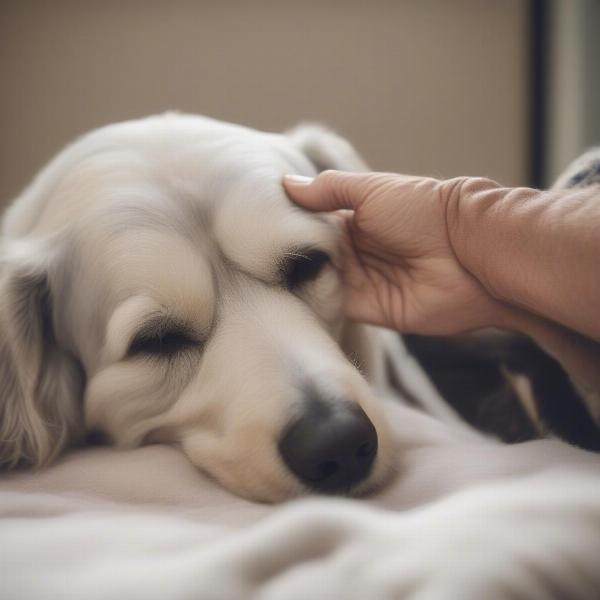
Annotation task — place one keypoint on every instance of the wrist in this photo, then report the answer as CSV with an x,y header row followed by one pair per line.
x,y
487,232
530,249
463,204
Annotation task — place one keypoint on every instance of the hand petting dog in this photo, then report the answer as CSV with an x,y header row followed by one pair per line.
x,y
442,257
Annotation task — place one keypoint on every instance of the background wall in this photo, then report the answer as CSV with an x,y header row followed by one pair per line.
x,y
431,87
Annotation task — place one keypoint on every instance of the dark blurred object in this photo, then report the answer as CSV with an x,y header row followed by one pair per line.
x,y
475,374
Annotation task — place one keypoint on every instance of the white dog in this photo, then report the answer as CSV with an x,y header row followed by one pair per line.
x,y
158,286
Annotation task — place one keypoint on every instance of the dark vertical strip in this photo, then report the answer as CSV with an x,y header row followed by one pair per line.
x,y
538,20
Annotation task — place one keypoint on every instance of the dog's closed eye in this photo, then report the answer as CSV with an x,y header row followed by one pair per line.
x,y
303,267
160,340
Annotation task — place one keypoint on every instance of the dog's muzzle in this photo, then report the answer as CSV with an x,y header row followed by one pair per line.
x,y
330,447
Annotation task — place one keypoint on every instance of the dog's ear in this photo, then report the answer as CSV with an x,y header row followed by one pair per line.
x,y
326,149
40,383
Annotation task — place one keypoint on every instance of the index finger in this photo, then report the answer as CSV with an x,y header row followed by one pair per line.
x,y
330,190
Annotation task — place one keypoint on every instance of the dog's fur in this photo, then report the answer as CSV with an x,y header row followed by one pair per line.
x,y
176,226
146,295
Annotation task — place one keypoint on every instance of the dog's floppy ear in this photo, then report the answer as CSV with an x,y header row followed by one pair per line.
x,y
326,149
40,383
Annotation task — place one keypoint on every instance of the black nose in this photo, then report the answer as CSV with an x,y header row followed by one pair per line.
x,y
330,449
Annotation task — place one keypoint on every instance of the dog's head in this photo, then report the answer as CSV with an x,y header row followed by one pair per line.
x,y
158,286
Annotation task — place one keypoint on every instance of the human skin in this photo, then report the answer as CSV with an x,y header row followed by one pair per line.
x,y
433,257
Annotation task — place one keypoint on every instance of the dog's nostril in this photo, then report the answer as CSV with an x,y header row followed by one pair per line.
x,y
330,449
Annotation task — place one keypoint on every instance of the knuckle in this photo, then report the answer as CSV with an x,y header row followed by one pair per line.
x,y
329,177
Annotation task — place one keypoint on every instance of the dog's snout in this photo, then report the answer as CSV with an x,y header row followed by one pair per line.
x,y
330,450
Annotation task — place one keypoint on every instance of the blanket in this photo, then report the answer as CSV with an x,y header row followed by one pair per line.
x,y
463,519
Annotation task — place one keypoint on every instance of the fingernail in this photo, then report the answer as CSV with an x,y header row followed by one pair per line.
x,y
297,179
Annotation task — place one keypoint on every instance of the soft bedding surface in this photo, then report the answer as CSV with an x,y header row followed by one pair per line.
x,y
463,519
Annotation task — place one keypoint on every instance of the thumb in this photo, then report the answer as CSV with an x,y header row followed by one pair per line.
x,y
330,190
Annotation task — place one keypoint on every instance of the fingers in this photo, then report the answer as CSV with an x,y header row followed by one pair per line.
x,y
330,190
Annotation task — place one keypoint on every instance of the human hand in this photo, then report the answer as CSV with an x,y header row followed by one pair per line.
x,y
398,266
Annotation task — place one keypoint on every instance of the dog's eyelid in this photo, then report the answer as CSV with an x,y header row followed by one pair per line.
x,y
162,336
303,265
304,251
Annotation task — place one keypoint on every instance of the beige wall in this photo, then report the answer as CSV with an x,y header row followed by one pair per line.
x,y
430,87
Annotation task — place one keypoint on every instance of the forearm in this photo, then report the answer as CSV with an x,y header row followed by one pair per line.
x,y
539,251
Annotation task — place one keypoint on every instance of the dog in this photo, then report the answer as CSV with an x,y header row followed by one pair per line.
x,y
159,287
